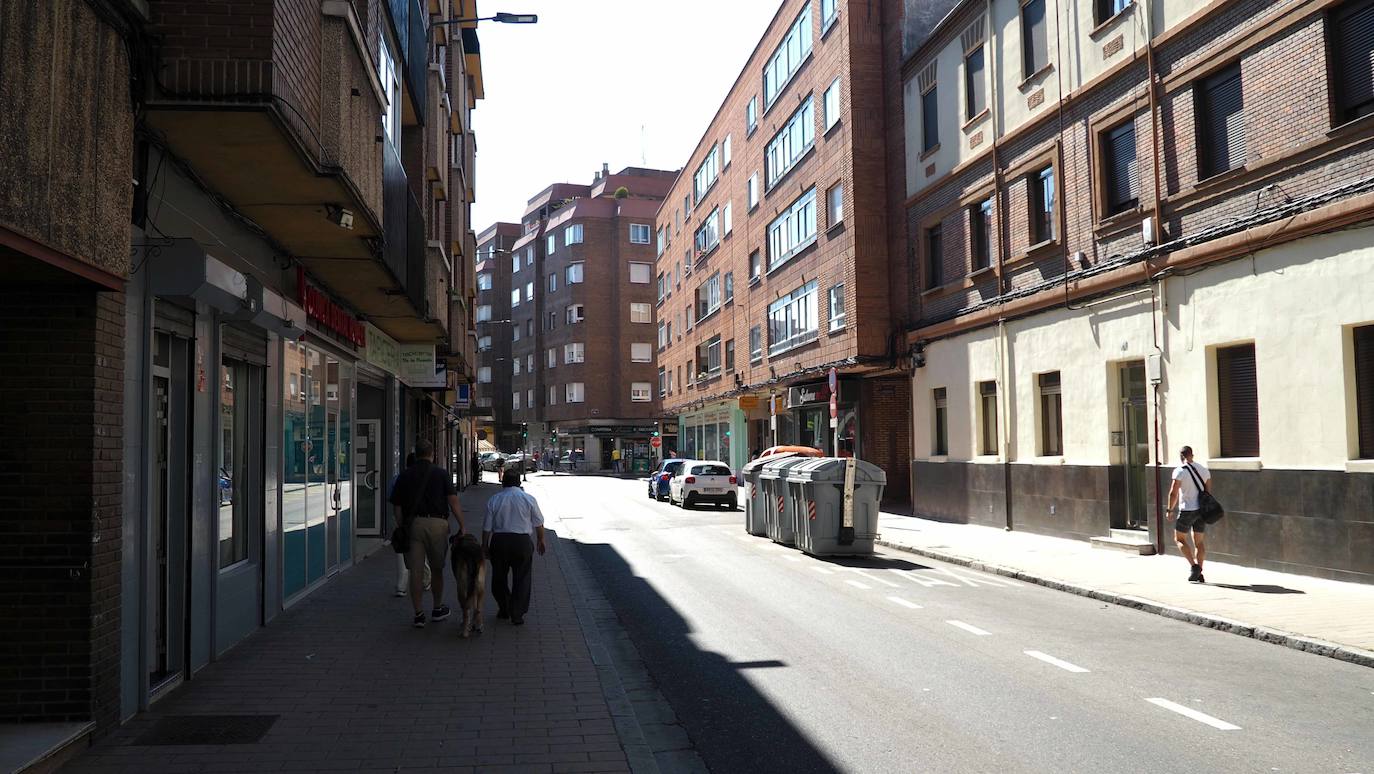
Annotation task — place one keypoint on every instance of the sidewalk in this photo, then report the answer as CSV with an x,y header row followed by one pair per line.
x,y
1326,617
345,683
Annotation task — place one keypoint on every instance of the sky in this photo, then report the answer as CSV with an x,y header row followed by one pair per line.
x,y
625,82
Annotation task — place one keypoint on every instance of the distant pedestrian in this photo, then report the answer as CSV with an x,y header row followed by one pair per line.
x,y
1190,478
423,499
403,574
513,516
615,460
476,465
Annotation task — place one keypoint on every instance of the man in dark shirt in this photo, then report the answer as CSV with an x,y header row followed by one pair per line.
x,y
423,498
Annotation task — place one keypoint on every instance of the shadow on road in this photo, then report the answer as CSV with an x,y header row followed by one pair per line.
x,y
732,725
1259,588
872,562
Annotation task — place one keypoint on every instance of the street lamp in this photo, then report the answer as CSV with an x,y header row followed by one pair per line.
x,y
500,18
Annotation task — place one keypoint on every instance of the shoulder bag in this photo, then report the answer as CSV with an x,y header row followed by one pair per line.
x,y
1209,505
400,534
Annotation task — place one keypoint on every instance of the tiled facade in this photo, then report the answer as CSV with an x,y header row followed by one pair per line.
x,y
493,326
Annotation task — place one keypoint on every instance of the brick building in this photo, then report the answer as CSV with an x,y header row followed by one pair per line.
x,y
581,301
1135,227
774,250
493,390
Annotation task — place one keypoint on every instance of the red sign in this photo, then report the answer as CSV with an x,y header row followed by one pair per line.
x,y
655,442
834,406
327,314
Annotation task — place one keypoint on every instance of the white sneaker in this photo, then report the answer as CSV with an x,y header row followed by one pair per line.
x,y
400,592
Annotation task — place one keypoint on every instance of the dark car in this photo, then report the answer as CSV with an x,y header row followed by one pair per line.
x,y
658,480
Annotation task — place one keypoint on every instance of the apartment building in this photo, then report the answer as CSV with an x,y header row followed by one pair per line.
x,y
581,300
773,253
1137,226
242,285
492,403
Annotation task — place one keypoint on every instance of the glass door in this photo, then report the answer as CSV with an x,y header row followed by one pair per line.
x,y
367,473
297,447
169,498
1135,424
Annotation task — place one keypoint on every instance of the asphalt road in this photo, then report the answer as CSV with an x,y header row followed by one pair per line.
x,y
778,661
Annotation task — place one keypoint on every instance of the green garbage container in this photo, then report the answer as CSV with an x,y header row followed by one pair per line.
x,y
817,487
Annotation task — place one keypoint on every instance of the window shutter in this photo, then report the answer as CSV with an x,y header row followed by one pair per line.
x,y
1221,131
1354,61
1122,171
1238,401
1364,389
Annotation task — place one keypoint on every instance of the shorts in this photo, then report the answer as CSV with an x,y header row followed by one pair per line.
x,y
428,543
1190,521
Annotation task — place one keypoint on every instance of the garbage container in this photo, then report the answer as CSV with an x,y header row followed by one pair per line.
x,y
778,520
817,488
755,504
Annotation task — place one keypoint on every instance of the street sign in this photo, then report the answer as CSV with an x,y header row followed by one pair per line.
x,y
772,405
655,442
834,406
834,383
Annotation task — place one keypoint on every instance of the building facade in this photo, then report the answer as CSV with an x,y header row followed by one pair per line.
x,y
256,323
581,299
494,256
773,254
1139,226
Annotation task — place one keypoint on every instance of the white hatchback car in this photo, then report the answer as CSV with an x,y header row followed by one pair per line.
x,y
704,482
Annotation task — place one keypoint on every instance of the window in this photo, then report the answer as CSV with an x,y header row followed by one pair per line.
x,y
1220,123
641,352
930,120
1352,41
572,235
662,381
975,84
515,400
549,244
935,257
640,392
641,273
790,53
663,335
708,235
980,234
751,115
552,322
1034,38
662,288
515,297
551,358
574,353
792,319
1106,9
726,220
1364,390
515,333
391,87
576,313
515,263
529,397
1041,186
484,313
1120,170
484,401
639,233
529,327
752,191
553,395
708,358
939,446
831,104
706,174
729,286
755,265
234,460
837,316
791,142
484,344
515,366
572,275
529,291
484,281
1051,415
708,298
1238,401
574,392
529,257
834,203
553,282
793,230
641,313
830,9
987,413
658,246
687,206
730,355
725,152
529,364
484,375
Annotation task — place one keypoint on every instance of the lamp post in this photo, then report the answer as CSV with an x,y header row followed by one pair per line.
x,y
499,18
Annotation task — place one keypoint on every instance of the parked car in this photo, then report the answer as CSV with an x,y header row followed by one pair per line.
x,y
519,461
492,461
659,478
704,482
797,451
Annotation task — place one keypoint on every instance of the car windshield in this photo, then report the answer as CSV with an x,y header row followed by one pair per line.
x,y
711,470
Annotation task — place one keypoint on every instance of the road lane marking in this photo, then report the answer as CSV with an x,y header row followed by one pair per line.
x,y
904,603
968,628
926,582
1048,659
1189,712
859,585
823,570
979,580
875,579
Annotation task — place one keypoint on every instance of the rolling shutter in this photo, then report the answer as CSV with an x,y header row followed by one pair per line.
x,y
1364,389
1221,123
249,346
1238,401
1354,60
1123,176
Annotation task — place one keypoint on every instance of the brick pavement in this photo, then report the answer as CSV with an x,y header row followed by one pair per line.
x,y
358,689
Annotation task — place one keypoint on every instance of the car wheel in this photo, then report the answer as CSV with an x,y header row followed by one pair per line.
x,y
733,504
687,502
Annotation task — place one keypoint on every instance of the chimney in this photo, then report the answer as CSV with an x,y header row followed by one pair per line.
x,y
605,169
596,177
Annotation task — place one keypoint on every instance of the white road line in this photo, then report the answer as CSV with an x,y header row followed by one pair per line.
x,y
875,579
976,580
923,581
1048,659
1189,712
904,603
859,585
968,628
823,570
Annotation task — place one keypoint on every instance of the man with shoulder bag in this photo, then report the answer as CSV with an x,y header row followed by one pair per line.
x,y
423,499
1193,507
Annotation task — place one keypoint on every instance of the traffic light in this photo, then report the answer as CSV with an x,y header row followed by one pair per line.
x,y
655,433
524,430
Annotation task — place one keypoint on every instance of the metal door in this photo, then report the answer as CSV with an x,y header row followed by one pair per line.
x,y
166,633
1135,424
367,472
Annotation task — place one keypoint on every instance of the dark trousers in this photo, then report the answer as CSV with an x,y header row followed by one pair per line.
x,y
514,554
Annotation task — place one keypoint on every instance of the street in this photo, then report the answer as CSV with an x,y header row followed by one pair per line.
x,y
777,661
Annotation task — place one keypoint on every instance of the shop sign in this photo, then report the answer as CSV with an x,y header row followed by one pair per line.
x,y
382,350
463,397
327,314
747,402
419,368
818,392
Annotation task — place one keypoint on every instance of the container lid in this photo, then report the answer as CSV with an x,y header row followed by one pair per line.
x,y
831,469
776,466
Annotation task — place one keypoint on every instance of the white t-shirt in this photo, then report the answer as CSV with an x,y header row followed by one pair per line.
x,y
1187,490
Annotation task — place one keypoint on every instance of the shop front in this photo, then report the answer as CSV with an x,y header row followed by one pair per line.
x,y
808,418
715,432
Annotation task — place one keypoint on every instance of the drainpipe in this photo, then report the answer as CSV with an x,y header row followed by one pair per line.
x,y
1003,239
1148,8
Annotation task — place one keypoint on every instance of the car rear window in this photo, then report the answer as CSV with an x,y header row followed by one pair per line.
x,y
672,467
711,470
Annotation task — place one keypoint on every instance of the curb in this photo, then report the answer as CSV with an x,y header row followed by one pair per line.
x,y
1357,656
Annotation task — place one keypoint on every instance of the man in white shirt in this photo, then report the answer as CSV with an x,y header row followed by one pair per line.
x,y
1190,478
512,517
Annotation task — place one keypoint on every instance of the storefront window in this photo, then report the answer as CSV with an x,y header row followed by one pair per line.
x,y
232,459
